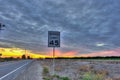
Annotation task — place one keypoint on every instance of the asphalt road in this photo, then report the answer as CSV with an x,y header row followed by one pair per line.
x,y
9,70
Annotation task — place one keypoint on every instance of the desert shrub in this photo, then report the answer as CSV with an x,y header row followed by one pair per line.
x,y
45,71
93,76
60,78
58,68
46,78
103,72
85,68
64,78
55,77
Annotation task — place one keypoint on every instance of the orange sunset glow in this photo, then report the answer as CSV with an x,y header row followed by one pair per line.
x,y
17,52
115,52
66,54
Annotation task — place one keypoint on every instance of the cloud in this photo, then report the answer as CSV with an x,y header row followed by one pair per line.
x,y
100,44
82,24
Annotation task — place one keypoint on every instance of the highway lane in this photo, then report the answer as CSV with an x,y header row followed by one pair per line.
x,y
9,70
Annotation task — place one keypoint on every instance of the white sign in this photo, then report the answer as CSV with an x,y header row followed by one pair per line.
x,y
53,39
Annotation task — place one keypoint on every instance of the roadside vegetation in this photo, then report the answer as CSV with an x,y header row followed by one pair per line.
x,y
8,59
47,76
91,58
98,76
23,57
93,76
77,69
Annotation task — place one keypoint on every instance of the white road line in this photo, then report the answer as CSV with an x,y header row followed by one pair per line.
x,y
13,71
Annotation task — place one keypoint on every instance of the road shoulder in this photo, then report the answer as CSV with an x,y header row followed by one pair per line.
x,y
33,72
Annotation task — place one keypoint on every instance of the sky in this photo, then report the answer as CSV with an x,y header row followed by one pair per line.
x,y
88,27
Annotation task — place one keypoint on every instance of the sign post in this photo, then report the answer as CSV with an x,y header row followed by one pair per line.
x,y
53,41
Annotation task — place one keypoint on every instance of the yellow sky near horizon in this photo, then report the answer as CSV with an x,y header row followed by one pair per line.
x,y
17,52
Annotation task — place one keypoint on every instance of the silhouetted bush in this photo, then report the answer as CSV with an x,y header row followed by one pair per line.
x,y
28,57
0,54
23,57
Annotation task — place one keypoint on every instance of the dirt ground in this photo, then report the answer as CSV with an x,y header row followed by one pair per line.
x,y
75,69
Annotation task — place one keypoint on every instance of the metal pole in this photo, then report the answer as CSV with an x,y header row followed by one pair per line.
x,y
1,25
53,60
25,53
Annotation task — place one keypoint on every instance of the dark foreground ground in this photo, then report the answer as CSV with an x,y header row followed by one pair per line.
x,y
74,69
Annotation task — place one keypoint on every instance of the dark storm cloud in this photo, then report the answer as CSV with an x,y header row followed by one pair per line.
x,y
84,24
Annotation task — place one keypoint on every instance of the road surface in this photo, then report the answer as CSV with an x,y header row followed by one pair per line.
x,y
9,70
33,72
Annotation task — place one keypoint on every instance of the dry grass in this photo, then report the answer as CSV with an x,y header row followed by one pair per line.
x,y
77,69
85,68
116,78
93,76
74,69
58,68
102,71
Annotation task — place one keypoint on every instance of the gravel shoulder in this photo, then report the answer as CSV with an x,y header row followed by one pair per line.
x,y
33,72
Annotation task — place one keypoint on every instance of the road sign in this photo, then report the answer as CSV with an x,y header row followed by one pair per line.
x,y
1,26
53,39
